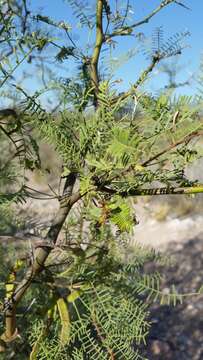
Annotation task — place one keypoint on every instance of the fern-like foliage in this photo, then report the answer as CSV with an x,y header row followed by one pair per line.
x,y
97,304
80,10
120,153
105,319
166,48
103,311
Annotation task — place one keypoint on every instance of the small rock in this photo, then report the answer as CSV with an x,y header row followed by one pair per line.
x,y
159,347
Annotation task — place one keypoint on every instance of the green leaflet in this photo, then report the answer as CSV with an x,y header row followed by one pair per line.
x,y
10,284
36,347
101,164
74,296
86,184
121,215
123,145
65,321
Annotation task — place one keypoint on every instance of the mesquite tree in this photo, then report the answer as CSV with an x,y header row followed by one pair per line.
x,y
114,146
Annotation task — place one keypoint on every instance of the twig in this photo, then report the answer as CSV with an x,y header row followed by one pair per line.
x,y
102,338
140,80
172,146
127,30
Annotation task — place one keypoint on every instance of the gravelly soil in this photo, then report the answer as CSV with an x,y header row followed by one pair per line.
x,y
177,332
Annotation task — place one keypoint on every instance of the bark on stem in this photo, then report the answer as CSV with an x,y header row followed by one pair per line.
x,y
40,255
97,49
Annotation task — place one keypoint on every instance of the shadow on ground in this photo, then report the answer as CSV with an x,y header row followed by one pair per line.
x,y
177,333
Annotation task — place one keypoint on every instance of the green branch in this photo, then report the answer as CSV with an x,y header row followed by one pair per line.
x,y
127,30
186,139
140,80
97,49
197,189
8,75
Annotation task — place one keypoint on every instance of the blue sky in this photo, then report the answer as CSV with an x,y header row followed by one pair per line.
x,y
173,19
